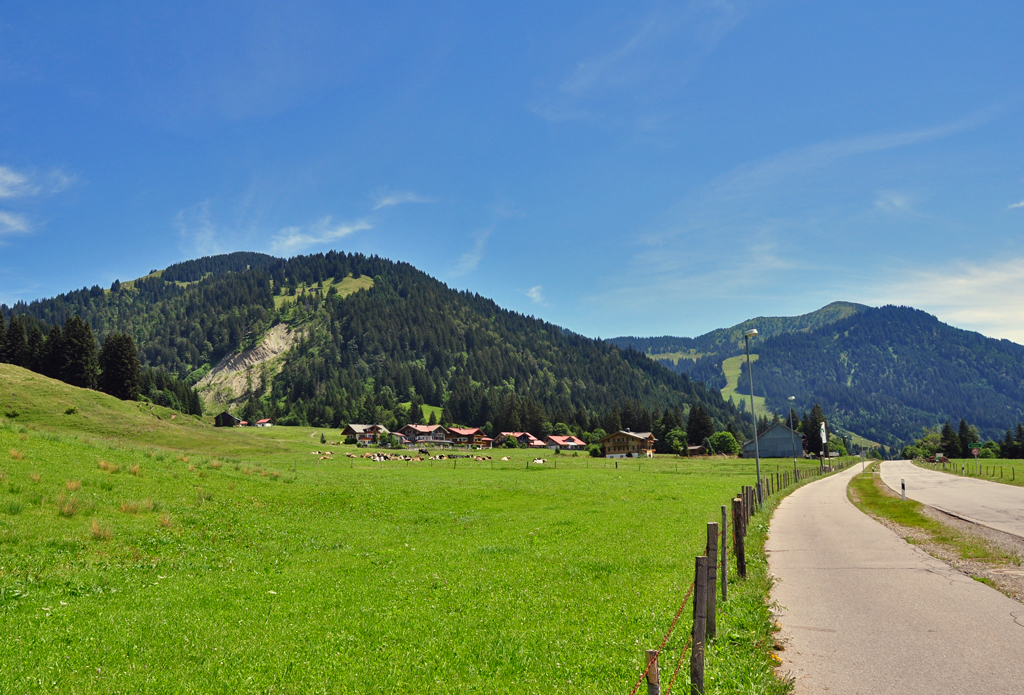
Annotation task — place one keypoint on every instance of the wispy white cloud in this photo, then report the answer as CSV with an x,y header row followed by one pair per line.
x,y
981,297
661,53
471,258
535,294
387,199
197,228
14,184
1016,205
892,201
323,231
11,223
17,184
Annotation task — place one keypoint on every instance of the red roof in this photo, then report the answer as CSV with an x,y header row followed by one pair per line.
x,y
567,440
260,422
467,432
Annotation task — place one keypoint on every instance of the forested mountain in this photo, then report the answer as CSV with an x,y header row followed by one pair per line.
x,y
882,373
409,338
887,373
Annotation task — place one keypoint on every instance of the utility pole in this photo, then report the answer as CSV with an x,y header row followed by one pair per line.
x,y
747,335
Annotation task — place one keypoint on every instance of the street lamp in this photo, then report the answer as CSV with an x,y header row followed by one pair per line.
x,y
792,433
747,335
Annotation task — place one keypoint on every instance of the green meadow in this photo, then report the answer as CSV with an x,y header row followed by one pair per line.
x,y
144,554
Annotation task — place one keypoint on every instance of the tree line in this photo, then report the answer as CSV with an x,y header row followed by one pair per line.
x,y
958,443
70,354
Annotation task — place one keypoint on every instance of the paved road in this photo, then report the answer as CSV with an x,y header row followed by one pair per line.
x,y
862,611
995,505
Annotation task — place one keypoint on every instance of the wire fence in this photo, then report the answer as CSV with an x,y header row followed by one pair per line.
x,y
704,588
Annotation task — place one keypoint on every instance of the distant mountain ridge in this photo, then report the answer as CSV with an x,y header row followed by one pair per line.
x,y
727,341
884,373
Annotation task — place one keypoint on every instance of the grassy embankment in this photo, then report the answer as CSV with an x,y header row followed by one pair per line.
x,y
143,553
873,497
1009,471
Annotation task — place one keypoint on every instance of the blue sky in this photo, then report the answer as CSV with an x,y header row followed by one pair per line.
x,y
638,168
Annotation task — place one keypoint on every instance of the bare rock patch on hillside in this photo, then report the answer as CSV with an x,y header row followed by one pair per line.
x,y
226,383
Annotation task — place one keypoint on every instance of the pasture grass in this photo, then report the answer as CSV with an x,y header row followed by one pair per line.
x,y
283,573
1008,471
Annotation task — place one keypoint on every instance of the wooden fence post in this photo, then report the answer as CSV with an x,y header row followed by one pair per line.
x,y
699,624
737,540
725,555
653,672
712,568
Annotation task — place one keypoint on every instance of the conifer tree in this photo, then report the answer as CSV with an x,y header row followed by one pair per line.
x,y
15,342
950,441
53,354
699,426
36,351
120,369
966,436
3,336
433,418
80,367
446,416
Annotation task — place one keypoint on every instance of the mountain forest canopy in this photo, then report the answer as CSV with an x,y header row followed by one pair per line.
x,y
366,356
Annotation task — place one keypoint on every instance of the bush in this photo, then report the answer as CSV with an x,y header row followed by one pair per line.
x,y
724,443
595,450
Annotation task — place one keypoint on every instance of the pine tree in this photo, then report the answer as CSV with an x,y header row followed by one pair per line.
x,y
699,425
446,417
120,369
966,437
949,440
812,429
36,353
433,418
80,367
53,354
3,336
15,343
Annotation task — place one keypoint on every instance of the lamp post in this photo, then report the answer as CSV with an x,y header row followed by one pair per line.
x,y
792,433
747,335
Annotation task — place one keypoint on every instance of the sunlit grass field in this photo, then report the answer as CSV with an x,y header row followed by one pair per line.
x,y
1009,471
144,554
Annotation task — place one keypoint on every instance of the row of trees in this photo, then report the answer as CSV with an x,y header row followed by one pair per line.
x,y
957,443
70,354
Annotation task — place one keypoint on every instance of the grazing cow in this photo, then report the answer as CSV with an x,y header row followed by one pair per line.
x,y
504,458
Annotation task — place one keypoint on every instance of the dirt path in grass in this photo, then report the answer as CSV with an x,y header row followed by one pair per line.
x,y
983,502
861,611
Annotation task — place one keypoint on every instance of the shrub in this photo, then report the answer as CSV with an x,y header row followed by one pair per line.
x,y
71,410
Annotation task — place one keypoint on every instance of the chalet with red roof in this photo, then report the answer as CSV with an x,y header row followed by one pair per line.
x,y
568,443
470,436
425,435
525,440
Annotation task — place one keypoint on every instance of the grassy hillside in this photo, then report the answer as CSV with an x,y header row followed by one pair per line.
x,y
732,368
246,563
